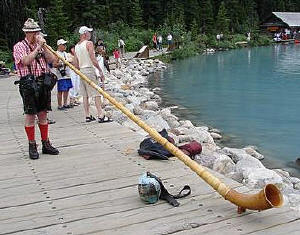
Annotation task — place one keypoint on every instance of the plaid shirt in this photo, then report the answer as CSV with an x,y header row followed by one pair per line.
x,y
22,49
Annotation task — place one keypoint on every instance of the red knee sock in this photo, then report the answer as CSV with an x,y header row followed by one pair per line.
x,y
44,131
30,133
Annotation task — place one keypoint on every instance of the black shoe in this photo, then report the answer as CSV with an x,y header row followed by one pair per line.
x,y
48,148
50,121
33,153
90,119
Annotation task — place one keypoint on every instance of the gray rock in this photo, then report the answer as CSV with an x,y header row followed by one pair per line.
x,y
173,123
216,131
216,136
147,114
185,138
236,154
296,186
260,177
130,107
205,160
224,165
247,164
165,112
187,124
157,122
137,110
150,105
253,153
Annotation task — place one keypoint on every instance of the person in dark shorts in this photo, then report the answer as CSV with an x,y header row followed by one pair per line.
x,y
31,59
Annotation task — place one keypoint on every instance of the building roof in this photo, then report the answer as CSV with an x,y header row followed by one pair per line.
x,y
290,18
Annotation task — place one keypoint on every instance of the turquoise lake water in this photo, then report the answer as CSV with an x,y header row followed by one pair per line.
x,y
251,95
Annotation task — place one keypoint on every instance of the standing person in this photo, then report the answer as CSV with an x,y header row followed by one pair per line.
x,y
31,59
154,40
85,61
64,83
170,40
121,45
117,58
159,40
74,91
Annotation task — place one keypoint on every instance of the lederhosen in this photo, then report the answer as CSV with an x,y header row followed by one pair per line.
x,y
35,95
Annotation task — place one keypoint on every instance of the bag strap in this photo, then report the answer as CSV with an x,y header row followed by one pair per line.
x,y
37,60
165,195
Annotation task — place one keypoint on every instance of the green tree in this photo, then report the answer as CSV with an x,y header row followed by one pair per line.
x,y
135,13
207,17
191,12
194,29
222,21
57,23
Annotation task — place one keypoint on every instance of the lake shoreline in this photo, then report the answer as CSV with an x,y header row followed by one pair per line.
x,y
130,86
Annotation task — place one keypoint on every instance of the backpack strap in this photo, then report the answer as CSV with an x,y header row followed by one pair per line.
x,y
165,195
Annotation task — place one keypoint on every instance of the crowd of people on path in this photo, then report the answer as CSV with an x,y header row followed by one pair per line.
x,y
285,34
158,41
39,71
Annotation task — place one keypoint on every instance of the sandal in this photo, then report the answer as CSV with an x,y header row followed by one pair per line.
x,y
104,119
90,119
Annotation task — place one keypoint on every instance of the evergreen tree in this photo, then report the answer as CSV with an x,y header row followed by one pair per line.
x,y
207,17
194,28
235,14
57,23
191,12
135,14
153,13
174,12
222,21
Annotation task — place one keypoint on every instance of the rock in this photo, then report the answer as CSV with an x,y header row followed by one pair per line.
x,y
173,123
205,160
135,100
245,165
216,136
260,177
165,112
137,110
253,153
236,176
216,131
147,114
185,138
296,186
209,148
121,100
236,154
150,105
187,124
224,164
298,161
130,107
156,89
157,122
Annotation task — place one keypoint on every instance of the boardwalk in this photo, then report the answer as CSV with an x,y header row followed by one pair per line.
x,y
91,187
